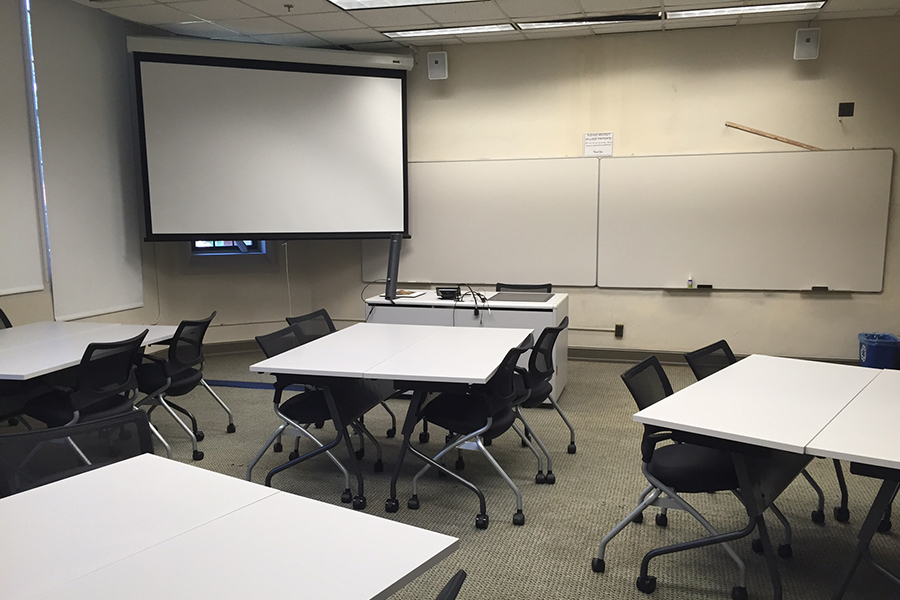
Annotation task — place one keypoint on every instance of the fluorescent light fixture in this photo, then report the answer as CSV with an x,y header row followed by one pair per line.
x,y
363,4
744,10
590,21
450,31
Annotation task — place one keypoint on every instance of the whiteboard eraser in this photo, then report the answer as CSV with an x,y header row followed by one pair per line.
x,y
820,288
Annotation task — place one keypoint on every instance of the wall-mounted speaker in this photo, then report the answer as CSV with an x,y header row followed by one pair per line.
x,y
806,44
437,65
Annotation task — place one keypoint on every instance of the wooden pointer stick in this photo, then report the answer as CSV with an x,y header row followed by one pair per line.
x,y
771,136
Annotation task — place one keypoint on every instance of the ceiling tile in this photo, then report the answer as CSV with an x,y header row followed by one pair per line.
x,y
306,40
887,12
324,21
467,12
393,18
351,36
114,3
540,9
699,23
298,7
258,25
542,34
219,9
629,27
203,29
484,38
152,14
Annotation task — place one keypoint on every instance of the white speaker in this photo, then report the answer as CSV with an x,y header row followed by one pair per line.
x,y
806,44
437,65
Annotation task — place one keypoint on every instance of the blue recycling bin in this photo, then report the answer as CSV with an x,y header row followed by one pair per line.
x,y
878,350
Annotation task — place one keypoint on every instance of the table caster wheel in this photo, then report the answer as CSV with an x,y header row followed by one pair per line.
x,y
231,428
519,518
391,432
739,593
460,464
524,444
841,514
199,435
646,584
277,447
818,517
884,526
551,478
320,424
785,551
488,442
423,437
540,478
638,519
391,505
346,497
378,467
598,565
413,503
481,521
757,546
198,454
662,520
360,454
359,502
571,449
294,454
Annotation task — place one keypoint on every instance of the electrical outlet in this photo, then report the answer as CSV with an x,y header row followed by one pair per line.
x,y
620,331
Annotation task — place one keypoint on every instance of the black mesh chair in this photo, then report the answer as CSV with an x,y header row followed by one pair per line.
x,y
177,375
525,287
35,458
715,357
317,324
483,412
672,470
451,590
310,406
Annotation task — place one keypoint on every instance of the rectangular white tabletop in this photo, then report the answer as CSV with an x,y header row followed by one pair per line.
x,y
866,430
408,352
153,528
36,349
778,403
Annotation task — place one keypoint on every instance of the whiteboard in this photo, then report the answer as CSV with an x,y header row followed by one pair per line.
x,y
766,221
480,222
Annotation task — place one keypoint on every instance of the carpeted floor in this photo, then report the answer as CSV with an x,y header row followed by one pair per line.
x,y
550,556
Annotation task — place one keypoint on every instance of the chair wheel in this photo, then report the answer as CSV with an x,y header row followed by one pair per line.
x,y
231,428
662,520
646,584
481,521
391,505
360,454
413,503
884,526
571,449
551,478
638,519
199,435
739,593
841,514
391,432
378,467
487,442
785,551
277,447
598,565
757,546
540,477
519,518
818,517
359,502
12,421
524,445
198,455
320,424
423,437
346,497
460,464
294,454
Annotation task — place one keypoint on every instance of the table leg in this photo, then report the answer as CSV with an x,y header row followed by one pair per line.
x,y
359,501
409,424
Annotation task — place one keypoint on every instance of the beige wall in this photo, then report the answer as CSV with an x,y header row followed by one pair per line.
x,y
660,93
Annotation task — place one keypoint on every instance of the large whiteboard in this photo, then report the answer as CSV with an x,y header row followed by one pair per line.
x,y
766,221
480,222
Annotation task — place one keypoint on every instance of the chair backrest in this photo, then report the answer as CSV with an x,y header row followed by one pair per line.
x,y
4,320
451,590
501,388
186,347
647,382
315,324
540,363
282,340
525,287
106,370
709,359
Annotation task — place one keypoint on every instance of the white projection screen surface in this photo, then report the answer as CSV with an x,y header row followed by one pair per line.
x,y
254,151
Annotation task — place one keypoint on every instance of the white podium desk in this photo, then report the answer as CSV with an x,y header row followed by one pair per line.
x,y
428,309
148,528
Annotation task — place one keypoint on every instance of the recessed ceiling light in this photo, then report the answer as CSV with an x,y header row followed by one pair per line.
x,y
363,4
450,31
744,10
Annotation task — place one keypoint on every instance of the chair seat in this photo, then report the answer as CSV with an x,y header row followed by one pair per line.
x,y
152,376
462,413
353,399
55,409
690,468
539,392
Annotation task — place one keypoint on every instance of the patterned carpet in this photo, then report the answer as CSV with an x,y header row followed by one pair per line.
x,y
550,556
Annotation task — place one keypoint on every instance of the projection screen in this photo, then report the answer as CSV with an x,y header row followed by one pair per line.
x,y
242,149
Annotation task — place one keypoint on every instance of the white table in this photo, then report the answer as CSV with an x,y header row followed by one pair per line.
x,y
198,534
421,358
29,351
795,410
427,309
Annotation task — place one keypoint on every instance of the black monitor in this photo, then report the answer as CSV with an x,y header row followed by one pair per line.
x,y
390,286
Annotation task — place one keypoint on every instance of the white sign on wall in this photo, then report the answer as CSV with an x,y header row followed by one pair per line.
x,y
598,144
